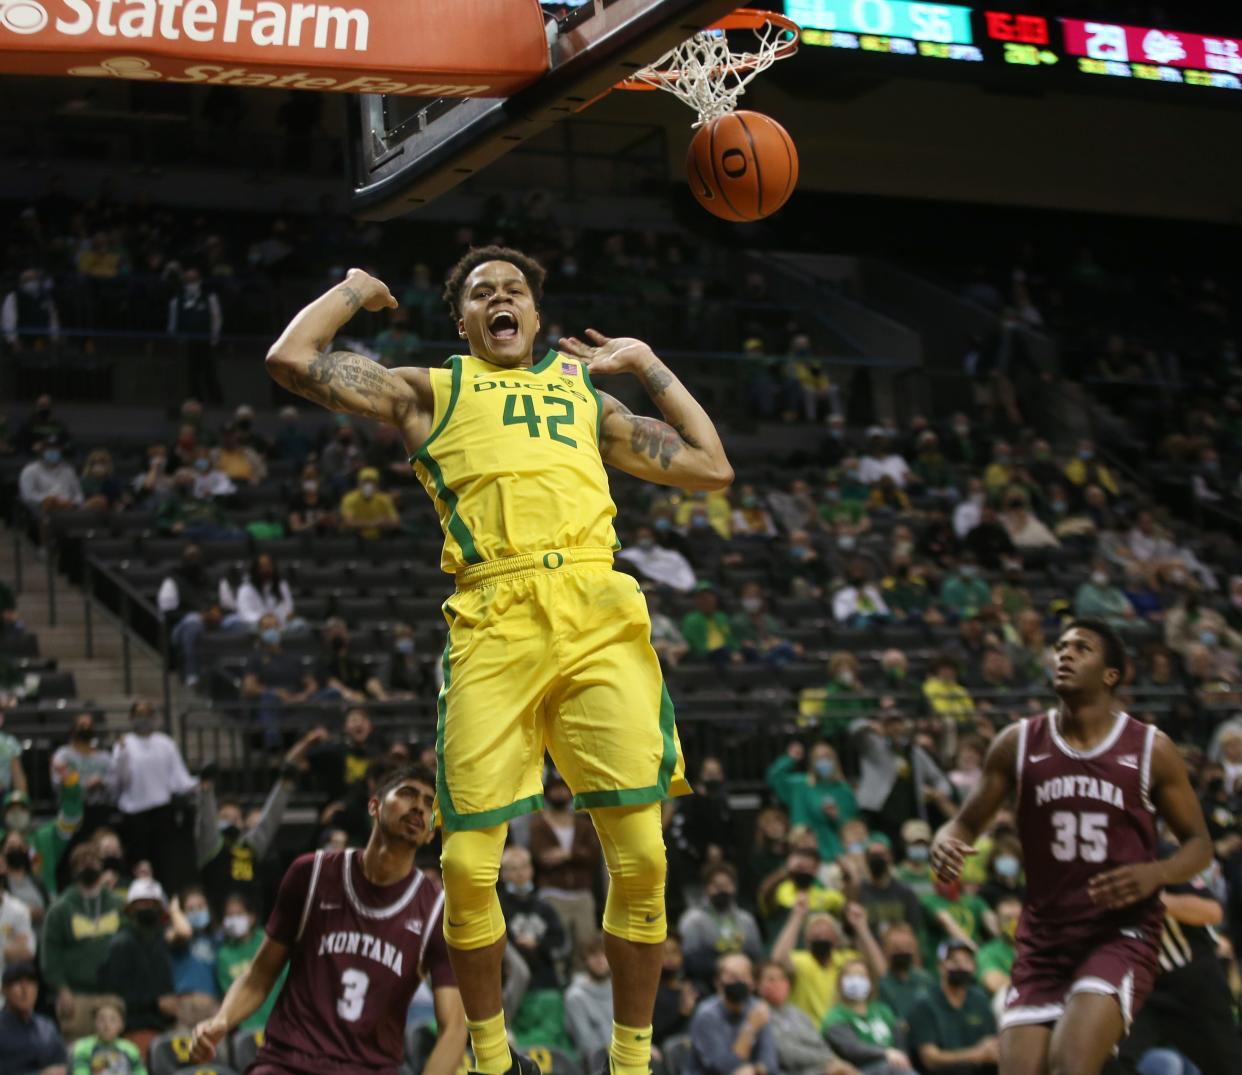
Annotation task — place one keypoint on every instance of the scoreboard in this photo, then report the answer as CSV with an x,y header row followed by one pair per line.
x,y
1017,40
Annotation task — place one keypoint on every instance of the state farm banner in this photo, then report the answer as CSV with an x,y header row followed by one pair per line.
x,y
425,48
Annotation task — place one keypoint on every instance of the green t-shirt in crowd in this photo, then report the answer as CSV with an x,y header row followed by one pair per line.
x,y
876,1026
935,1021
903,994
967,911
997,954
706,634
232,959
91,1056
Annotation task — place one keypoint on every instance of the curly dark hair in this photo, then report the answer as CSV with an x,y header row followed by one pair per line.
x,y
476,256
1114,648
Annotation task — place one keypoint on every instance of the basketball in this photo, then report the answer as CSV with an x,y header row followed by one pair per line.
x,y
742,166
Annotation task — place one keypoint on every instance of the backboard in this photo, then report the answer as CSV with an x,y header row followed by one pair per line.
x,y
408,150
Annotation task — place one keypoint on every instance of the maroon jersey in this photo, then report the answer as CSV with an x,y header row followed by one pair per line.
x,y
357,954
1081,813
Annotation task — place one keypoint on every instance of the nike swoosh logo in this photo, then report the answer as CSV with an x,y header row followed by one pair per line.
x,y
653,917
1039,757
455,925
642,1037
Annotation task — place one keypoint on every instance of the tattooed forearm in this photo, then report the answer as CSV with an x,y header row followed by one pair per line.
x,y
653,438
681,430
342,380
351,296
657,378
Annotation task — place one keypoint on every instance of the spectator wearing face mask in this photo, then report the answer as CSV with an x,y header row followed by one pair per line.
x,y
309,511
534,927
701,830
819,798
758,632
210,478
183,514
676,997
750,518
1098,597
238,458
229,853
944,694
799,1046
49,484
907,594
1191,624
273,678
999,472
716,506
717,926
241,937
191,603
40,427
192,945
94,769
996,957
963,593
265,590
1025,529
663,566
729,1032
666,638
958,915
292,442
1085,469
859,603
20,878
707,629
898,778
195,315
885,896
1004,872
29,1042
905,980
969,511
29,319
150,772
990,542
952,1029
406,679
76,933
842,700
150,487
567,859
861,1028
588,1000
17,936
12,772
138,964
707,551
100,488
368,510
340,674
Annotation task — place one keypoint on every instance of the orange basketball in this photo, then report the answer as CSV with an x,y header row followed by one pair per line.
x,y
742,166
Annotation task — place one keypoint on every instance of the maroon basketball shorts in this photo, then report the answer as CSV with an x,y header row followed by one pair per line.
x,y
1121,964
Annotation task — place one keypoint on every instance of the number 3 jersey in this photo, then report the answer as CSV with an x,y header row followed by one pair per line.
x,y
357,953
1082,813
513,460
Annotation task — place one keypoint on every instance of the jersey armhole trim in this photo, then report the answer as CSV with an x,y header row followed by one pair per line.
x,y
1023,729
599,408
1149,742
454,363
310,893
436,908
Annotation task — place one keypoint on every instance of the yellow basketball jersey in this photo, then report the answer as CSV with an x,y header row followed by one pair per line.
x,y
512,463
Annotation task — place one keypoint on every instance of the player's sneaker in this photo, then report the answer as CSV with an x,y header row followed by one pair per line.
x,y
605,1066
522,1065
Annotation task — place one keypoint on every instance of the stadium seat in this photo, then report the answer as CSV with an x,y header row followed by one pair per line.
x,y
353,610
57,685
677,1052
244,1047
553,1061
169,1053
212,1067
378,578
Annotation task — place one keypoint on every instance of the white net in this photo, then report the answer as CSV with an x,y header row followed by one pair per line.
x,y
707,74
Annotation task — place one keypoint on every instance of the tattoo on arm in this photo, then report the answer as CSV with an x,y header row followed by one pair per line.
x,y
352,299
653,438
342,380
657,378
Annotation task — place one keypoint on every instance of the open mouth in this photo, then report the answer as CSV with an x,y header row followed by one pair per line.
x,y
503,325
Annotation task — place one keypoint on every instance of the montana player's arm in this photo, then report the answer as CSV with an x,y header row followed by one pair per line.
x,y
342,380
684,450
956,838
1175,801
450,1047
245,996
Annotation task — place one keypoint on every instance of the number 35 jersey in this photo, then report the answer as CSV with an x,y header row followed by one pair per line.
x,y
1082,813
357,953
513,460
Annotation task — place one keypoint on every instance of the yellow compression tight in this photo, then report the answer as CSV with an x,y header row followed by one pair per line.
x,y
470,862
633,843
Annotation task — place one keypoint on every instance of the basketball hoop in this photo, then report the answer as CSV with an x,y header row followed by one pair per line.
x,y
707,73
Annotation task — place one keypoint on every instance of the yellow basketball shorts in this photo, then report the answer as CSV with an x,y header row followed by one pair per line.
x,y
551,651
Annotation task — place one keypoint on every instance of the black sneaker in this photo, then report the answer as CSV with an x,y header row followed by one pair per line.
x,y
522,1065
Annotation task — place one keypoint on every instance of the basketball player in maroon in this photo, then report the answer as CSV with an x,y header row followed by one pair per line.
x,y
1089,783
360,931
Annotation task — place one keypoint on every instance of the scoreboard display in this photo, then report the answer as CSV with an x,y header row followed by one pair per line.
x,y
1016,40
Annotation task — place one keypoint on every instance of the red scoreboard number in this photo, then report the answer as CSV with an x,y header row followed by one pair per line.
x,y
1025,29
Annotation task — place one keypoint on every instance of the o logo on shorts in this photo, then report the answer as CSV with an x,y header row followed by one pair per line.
x,y
552,560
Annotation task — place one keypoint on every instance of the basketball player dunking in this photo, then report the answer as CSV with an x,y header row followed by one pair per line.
x,y
548,646
360,931
1089,783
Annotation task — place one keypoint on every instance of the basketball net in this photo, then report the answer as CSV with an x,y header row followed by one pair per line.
x,y
707,73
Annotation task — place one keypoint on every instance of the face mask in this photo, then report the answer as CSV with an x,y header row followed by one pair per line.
x,y
1059,507
88,876
752,604
896,673
114,863
846,542
51,456
31,287
202,465
1208,638
878,865
84,733
559,803
144,725
712,785
646,544
736,992
339,644
961,430
832,493
856,848
802,880
959,978
855,987
968,571
750,502
524,889
662,525
846,678
698,522
1099,579
243,424
148,917
1086,457
368,489
236,925
820,949
721,901
199,920
901,961
824,768
1007,866
404,645
228,830
17,820
192,290
917,853
269,636
17,859
310,488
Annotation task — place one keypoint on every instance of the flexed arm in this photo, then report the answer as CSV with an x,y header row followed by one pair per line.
x,y
341,380
685,450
